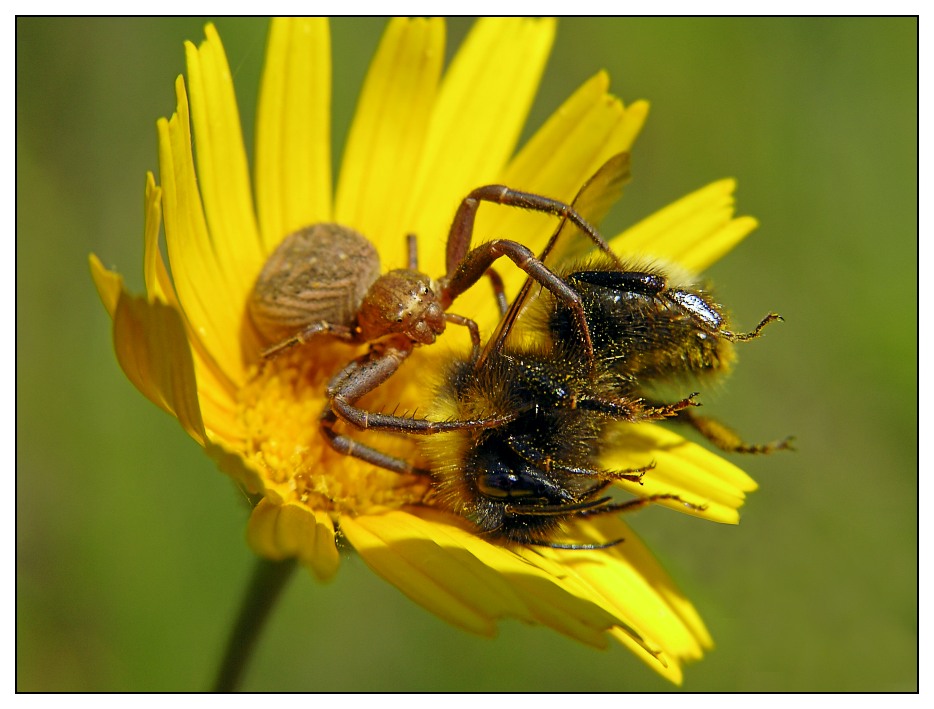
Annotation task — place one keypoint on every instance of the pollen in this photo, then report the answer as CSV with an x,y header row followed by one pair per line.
x,y
280,409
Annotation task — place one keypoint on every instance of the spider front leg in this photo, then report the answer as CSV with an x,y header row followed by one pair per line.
x,y
356,379
476,263
367,373
362,376
461,233
465,266
348,446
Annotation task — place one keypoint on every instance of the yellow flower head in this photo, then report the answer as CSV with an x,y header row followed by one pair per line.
x,y
420,141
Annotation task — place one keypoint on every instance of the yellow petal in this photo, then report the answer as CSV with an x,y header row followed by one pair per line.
x,y
223,175
682,468
155,355
661,627
545,600
293,129
591,127
230,461
216,394
471,582
588,129
545,560
386,139
109,284
721,241
475,123
292,530
202,286
695,231
152,349
158,284
638,555
420,569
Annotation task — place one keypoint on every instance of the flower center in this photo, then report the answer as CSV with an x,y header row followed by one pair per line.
x,y
280,408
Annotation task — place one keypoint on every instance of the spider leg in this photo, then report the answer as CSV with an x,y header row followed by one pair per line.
x,y
462,228
362,376
302,336
499,290
348,446
476,263
471,328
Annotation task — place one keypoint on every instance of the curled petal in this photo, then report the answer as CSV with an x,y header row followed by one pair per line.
x,y
682,468
152,349
281,531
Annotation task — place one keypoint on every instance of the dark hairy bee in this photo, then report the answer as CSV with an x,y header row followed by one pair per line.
x,y
519,481
655,326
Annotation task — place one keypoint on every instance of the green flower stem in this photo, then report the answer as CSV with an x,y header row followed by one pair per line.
x,y
269,578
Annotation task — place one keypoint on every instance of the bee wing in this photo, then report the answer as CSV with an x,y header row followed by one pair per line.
x,y
593,201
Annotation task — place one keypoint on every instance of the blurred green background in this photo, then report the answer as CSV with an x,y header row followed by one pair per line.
x,y
131,557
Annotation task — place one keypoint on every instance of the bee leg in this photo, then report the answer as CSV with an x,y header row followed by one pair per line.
x,y
633,505
663,411
746,336
624,409
725,438
578,547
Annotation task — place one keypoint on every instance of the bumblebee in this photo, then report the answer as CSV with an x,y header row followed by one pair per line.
x,y
650,326
519,480
655,327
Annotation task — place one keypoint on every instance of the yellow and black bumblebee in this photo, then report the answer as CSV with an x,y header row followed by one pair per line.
x,y
520,480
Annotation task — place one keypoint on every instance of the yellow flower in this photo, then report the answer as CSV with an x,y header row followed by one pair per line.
x,y
420,141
